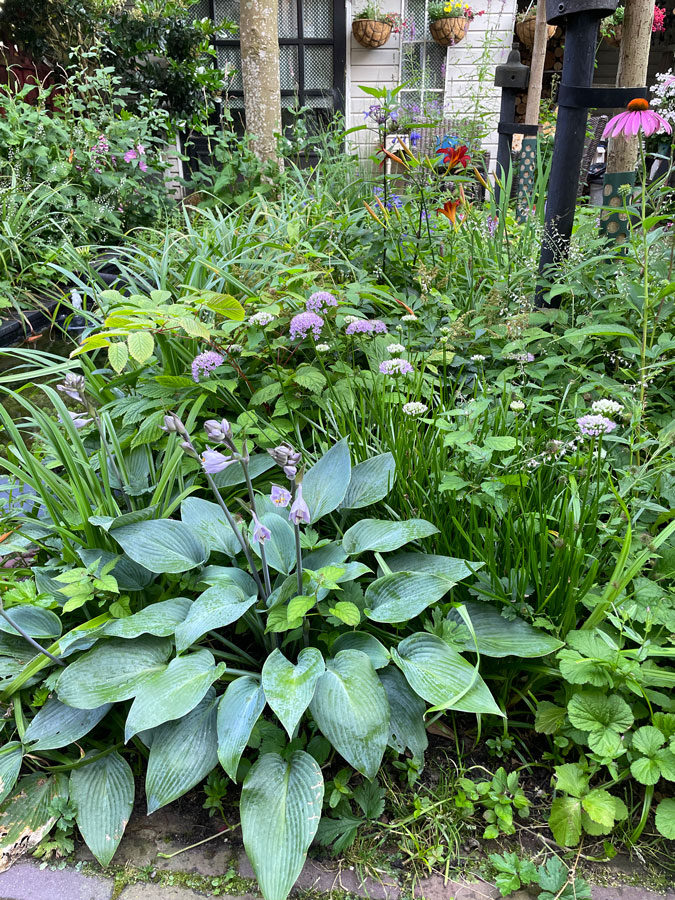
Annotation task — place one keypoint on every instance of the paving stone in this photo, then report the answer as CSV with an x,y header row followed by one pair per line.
x,y
628,892
27,881
160,892
436,888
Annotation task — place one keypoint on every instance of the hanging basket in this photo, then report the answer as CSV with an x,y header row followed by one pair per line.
x,y
370,33
525,31
449,31
614,39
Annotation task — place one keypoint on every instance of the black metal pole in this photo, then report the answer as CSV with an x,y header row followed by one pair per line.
x,y
512,77
507,113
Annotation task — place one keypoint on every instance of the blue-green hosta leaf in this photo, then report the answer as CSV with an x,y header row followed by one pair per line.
x,y
325,485
103,794
160,619
452,568
162,545
289,688
258,463
370,482
401,596
366,643
238,711
57,725
498,637
329,555
441,676
11,756
215,607
208,522
351,709
35,621
280,548
173,692
112,671
383,536
407,714
128,574
223,575
182,753
280,811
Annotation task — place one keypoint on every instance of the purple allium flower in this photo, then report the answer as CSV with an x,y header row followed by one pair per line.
x,y
217,431
595,426
305,322
129,155
319,300
299,513
205,363
260,533
396,366
280,496
366,326
214,462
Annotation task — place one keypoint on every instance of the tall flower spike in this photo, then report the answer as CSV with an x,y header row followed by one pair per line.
x,y
73,386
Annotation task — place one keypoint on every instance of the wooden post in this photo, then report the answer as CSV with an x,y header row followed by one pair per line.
x,y
537,66
259,41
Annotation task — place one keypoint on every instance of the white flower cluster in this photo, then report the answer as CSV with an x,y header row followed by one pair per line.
x,y
663,95
414,408
477,357
350,319
261,318
517,405
395,348
410,317
606,407
322,348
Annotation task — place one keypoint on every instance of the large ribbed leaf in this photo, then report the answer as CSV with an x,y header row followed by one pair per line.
x,y
370,481
407,714
208,522
160,619
326,483
441,676
401,596
238,711
162,545
289,688
57,725
103,794
350,707
280,548
280,811
35,621
173,692
11,756
257,464
25,818
450,566
217,606
497,636
383,536
182,753
112,671
366,643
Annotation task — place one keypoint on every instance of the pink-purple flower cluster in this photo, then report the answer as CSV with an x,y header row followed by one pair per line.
x,y
137,152
396,366
320,300
205,363
595,426
305,322
366,326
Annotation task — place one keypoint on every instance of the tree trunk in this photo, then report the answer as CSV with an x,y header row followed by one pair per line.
x,y
537,66
632,72
259,41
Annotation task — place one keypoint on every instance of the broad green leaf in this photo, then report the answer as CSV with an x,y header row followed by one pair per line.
x,y
600,331
597,711
216,607
599,805
571,778
172,693
11,757
103,794
162,545
366,643
310,378
565,821
499,442
234,474
401,596
57,725
280,811
549,718
645,770
289,688
499,637
346,612
207,521
223,304
25,815
441,676
370,482
648,740
280,548
226,575
112,671
118,354
326,483
141,346
383,536
452,568
160,619
128,574
665,818
37,622
182,753
351,709
239,709
407,710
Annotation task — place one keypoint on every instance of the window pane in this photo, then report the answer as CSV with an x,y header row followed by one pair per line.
x,y
411,63
434,69
288,66
229,58
317,18
226,10
318,68
288,19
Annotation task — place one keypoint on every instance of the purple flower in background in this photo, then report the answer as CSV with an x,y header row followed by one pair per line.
x,y
280,496
305,322
299,513
319,300
205,363
366,326
595,426
415,138
73,386
129,155
260,532
143,166
217,431
214,462
396,366
78,419
521,357
491,224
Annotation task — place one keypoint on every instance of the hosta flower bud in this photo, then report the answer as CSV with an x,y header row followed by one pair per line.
x,y
73,386
173,425
217,431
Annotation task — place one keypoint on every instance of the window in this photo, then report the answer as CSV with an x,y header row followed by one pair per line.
x,y
422,60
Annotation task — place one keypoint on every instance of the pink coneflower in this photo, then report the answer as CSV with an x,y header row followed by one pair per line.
x,y
638,117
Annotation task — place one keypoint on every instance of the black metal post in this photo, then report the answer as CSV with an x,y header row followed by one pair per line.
x,y
512,77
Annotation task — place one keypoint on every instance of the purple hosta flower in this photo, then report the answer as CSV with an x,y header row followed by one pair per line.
x,y
595,426
73,386
285,456
214,462
260,532
280,496
299,513
366,326
217,431
320,300
261,319
396,366
78,419
305,322
130,155
173,425
205,363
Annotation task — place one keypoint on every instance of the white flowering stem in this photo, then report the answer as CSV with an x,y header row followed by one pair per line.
x,y
263,557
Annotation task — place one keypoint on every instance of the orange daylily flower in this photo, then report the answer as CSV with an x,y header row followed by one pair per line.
x,y
449,210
